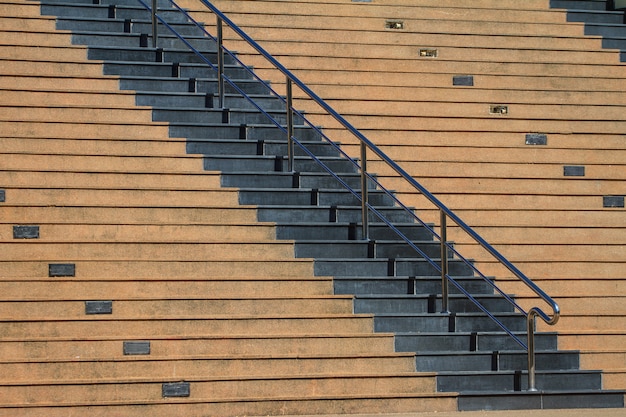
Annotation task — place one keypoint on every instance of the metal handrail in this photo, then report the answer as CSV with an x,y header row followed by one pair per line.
x,y
365,145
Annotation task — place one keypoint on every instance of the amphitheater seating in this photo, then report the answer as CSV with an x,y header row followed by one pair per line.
x,y
144,272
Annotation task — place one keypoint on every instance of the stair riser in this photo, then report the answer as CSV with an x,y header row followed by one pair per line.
x,y
328,214
215,390
269,407
138,216
421,305
149,289
159,69
192,369
236,132
392,285
134,40
362,249
378,268
506,382
321,181
182,85
277,164
213,116
83,24
304,197
443,323
221,345
120,197
186,270
488,362
595,17
147,329
163,309
24,251
347,232
254,147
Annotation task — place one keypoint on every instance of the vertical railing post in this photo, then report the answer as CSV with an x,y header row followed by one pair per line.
x,y
364,194
155,31
290,151
530,335
444,262
220,63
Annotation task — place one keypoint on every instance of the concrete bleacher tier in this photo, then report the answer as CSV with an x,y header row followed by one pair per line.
x,y
137,279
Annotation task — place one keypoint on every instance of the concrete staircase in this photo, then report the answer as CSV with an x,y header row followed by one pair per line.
x,y
137,279
543,182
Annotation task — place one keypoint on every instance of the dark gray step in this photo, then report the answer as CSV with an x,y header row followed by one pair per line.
x,y
348,231
330,214
174,70
363,249
595,16
424,303
609,31
107,25
406,285
209,115
160,3
143,40
254,147
244,163
307,197
149,54
614,43
107,11
347,267
579,4
510,381
482,361
319,180
189,85
228,116
203,100
525,400
469,341
208,101
463,322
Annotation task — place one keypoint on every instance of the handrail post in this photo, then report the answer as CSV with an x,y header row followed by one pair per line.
x,y
220,62
155,34
364,193
290,150
444,262
531,350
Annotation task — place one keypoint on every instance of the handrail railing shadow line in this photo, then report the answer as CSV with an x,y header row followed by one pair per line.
x,y
367,145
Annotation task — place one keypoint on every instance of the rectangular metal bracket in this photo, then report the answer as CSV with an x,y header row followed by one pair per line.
x,y
176,389
429,53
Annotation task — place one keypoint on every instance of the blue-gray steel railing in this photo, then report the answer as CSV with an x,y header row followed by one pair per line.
x,y
365,145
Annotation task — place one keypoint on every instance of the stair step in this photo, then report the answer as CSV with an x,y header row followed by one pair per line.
x,y
190,269
362,285
349,267
217,388
298,405
525,400
92,347
512,381
24,250
464,322
350,231
331,214
255,147
494,361
364,249
121,197
469,341
179,307
151,288
407,304
304,180
147,328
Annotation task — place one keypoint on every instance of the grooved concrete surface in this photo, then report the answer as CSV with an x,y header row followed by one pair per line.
x,y
609,412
